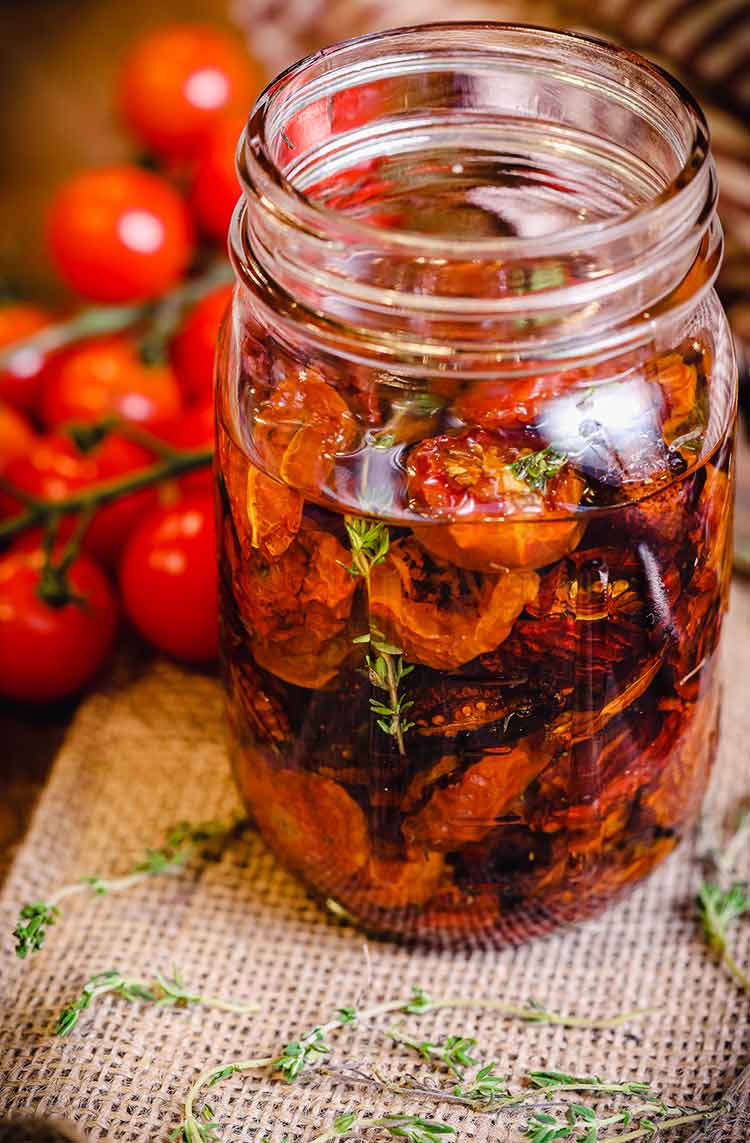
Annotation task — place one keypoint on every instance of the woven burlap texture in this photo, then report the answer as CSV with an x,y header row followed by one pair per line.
x,y
151,752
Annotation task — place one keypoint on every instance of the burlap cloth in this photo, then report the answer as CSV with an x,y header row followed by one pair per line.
x,y
149,753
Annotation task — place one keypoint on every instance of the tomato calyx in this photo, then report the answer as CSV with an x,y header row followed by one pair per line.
x,y
54,587
87,437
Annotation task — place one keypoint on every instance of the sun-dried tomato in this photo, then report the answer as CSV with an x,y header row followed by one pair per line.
x,y
442,615
466,810
302,425
514,860
659,517
591,786
390,883
698,616
296,608
677,381
513,402
266,513
594,636
252,705
309,821
689,738
471,478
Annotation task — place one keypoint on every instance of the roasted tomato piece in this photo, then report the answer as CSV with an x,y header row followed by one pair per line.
x,y
252,705
266,513
442,615
453,706
590,788
466,810
517,401
698,616
302,426
310,822
296,608
712,526
690,731
389,883
514,859
678,382
660,516
623,865
487,476
594,636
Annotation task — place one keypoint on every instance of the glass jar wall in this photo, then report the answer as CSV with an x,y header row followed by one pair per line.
x,y
476,400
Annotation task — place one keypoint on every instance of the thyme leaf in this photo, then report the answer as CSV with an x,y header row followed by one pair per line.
x,y
163,991
537,468
182,842
369,542
721,905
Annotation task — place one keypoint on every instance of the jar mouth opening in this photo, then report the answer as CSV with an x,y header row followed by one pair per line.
x,y
305,85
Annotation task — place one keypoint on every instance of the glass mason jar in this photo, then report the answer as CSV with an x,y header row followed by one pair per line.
x,y
476,399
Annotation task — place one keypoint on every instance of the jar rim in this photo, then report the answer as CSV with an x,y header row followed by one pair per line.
x,y
257,167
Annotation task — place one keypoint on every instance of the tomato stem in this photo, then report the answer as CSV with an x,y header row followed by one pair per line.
x,y
87,499
161,318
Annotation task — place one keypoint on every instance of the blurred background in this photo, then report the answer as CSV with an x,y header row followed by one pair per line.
x,y
61,59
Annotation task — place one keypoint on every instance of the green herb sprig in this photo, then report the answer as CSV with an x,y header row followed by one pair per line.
x,y
581,1124
718,910
182,842
311,1048
537,468
369,541
163,991
410,1127
723,901
452,1052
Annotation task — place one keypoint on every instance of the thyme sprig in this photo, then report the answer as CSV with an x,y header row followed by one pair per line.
x,y
453,1052
718,909
410,1127
163,991
582,1124
182,842
369,541
313,1046
723,901
537,468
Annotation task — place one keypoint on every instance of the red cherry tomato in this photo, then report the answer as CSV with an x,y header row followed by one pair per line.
x,y
108,376
20,380
119,234
47,651
215,188
55,468
178,80
168,580
194,429
16,435
195,344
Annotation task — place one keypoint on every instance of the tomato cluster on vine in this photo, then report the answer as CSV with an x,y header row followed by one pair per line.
x,y
106,409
